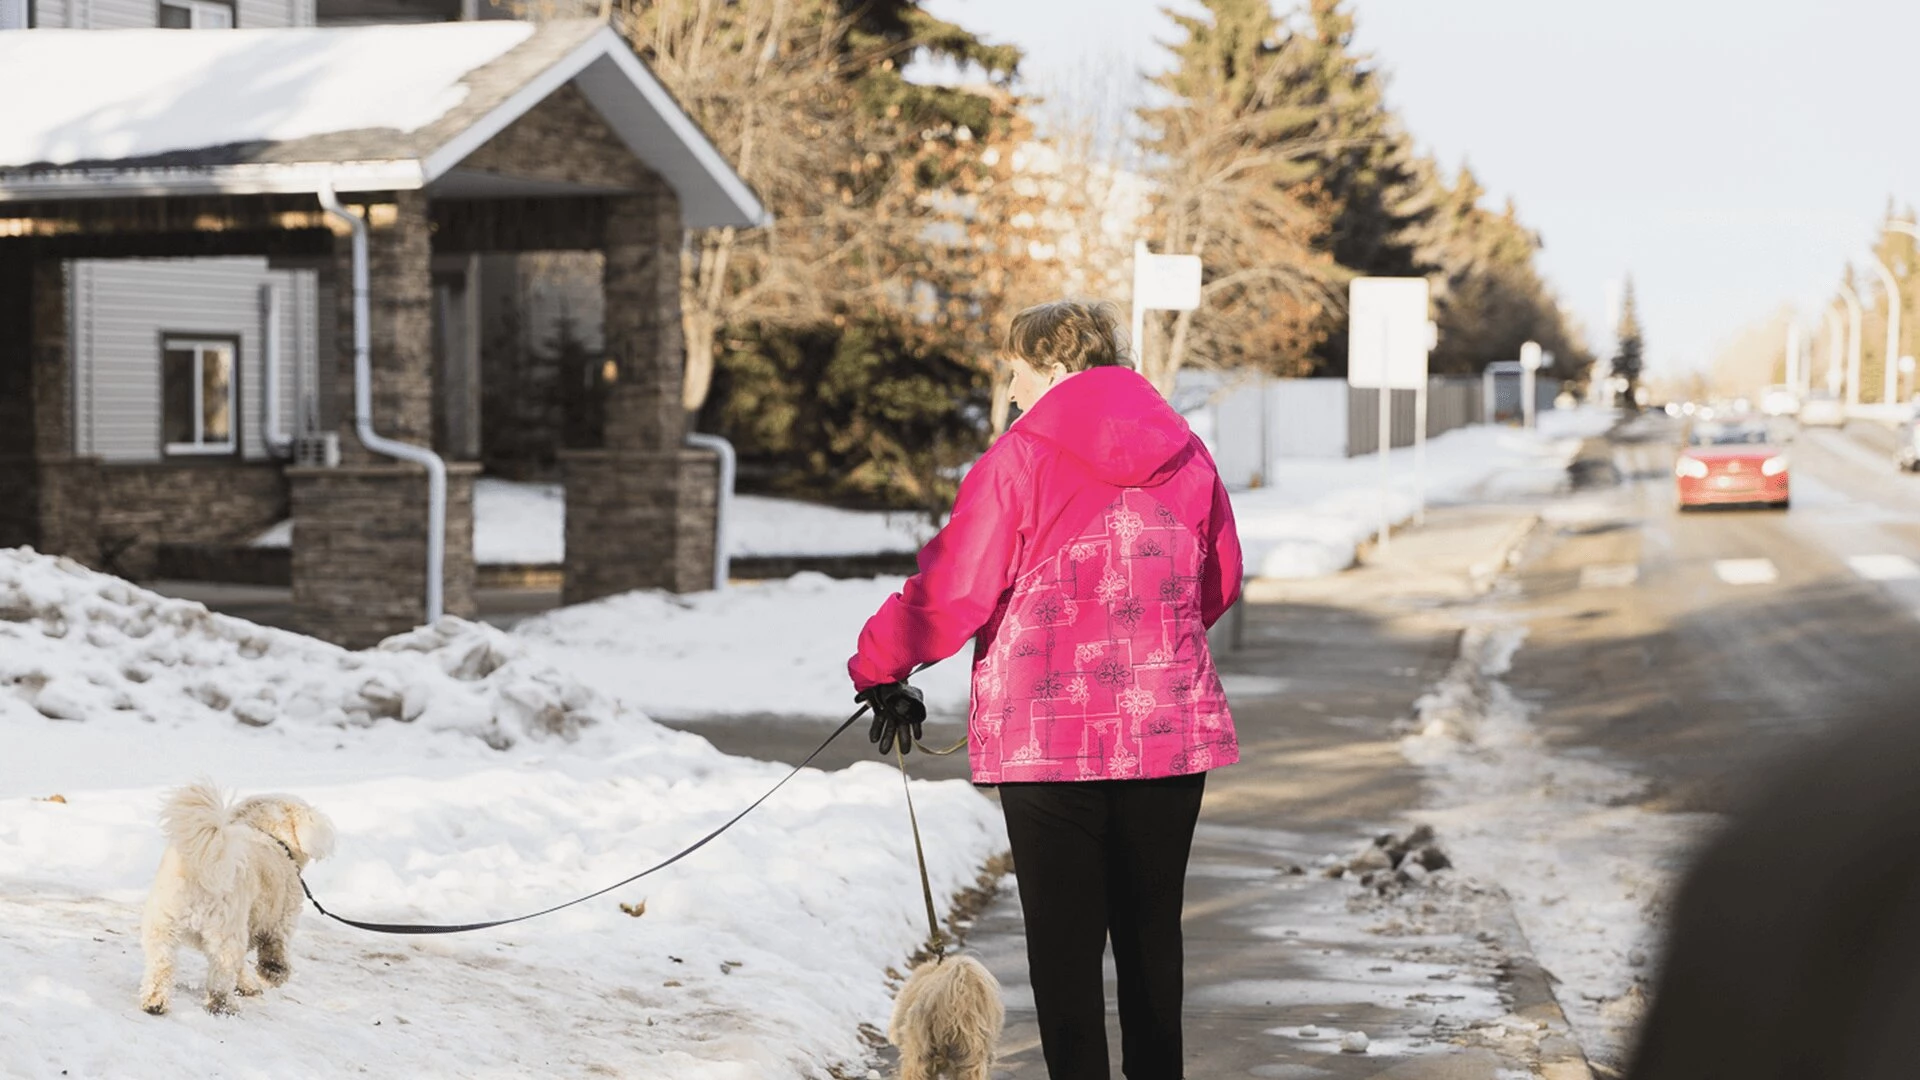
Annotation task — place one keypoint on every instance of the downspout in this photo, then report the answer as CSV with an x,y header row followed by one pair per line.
x,y
723,512
277,442
363,411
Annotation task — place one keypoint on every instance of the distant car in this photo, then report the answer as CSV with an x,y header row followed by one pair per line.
x,y
1906,451
1732,462
1822,409
1780,401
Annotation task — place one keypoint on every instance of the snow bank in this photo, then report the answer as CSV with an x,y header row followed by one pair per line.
x,y
768,647
517,522
75,644
1312,517
759,956
1588,872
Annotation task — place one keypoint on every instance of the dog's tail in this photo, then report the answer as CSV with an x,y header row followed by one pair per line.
x,y
198,822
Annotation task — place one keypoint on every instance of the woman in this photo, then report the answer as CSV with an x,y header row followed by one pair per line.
x,y
1089,551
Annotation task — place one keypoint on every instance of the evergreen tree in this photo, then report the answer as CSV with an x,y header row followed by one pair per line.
x,y
1233,177
1627,363
1372,188
884,194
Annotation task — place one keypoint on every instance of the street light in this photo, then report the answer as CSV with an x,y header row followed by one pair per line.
x,y
1852,300
1834,335
1889,383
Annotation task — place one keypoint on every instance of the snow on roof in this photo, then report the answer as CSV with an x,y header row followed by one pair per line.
x,y
141,93
369,108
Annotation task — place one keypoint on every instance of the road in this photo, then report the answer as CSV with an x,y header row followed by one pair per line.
x,y
1664,659
1693,645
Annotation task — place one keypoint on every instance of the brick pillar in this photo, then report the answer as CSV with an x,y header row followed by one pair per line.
x,y
400,326
360,530
48,496
640,511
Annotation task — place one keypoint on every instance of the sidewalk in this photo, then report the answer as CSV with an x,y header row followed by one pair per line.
x,y
1439,979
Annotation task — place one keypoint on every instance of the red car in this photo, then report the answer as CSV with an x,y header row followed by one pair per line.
x,y
1732,463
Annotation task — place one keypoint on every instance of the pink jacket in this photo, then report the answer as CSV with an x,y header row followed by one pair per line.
x,y
1089,551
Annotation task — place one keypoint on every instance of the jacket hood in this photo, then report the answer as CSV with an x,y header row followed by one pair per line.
x,y
1115,422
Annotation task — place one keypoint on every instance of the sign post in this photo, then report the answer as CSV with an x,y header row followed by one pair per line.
x,y
1162,283
1388,337
1529,364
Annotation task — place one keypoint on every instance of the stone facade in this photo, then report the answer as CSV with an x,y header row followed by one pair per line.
x,y
48,497
145,506
400,325
638,521
360,549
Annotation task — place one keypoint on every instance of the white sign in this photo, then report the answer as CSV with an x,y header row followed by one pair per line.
x,y
1165,282
1387,335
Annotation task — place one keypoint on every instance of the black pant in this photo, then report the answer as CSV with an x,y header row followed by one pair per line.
x,y
1100,858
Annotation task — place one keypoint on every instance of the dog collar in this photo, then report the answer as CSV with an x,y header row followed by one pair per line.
x,y
291,857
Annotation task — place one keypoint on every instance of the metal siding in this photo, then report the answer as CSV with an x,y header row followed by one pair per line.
x,y
123,307
119,14
269,14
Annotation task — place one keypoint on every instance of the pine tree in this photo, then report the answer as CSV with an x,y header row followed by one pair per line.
x,y
1627,362
1233,187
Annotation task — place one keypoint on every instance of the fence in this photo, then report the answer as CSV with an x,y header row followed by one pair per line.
x,y
1251,422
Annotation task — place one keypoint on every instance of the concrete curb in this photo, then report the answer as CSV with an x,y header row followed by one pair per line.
x,y
1484,573
1531,989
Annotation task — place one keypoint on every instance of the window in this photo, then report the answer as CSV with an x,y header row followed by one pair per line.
x,y
196,396
194,15
16,14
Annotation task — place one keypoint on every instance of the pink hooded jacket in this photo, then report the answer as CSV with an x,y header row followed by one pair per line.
x,y
1089,551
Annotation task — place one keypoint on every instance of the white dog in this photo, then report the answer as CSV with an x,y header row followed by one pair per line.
x,y
229,882
947,1020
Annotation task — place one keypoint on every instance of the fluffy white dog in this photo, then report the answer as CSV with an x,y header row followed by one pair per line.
x,y
229,882
947,1020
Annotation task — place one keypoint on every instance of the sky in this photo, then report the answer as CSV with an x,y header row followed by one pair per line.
x,y
1730,155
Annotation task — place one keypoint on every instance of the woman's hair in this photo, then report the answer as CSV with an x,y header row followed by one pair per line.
x,y
1076,334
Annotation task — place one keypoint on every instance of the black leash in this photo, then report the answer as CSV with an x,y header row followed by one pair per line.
x,y
461,928
936,941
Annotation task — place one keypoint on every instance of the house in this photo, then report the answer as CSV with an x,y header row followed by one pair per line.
x,y
179,320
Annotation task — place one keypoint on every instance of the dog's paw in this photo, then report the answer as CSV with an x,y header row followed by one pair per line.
x,y
221,1005
154,1006
249,990
275,972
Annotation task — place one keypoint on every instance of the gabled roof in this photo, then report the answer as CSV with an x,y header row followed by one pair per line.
x,y
373,108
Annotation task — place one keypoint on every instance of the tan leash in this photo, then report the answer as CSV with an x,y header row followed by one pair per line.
x,y
936,940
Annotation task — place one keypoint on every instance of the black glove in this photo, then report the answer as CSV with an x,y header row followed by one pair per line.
x,y
898,712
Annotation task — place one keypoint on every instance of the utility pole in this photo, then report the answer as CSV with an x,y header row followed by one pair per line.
x,y
1852,300
1890,381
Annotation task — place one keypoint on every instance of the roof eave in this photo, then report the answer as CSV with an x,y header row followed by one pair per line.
x,y
186,180
739,206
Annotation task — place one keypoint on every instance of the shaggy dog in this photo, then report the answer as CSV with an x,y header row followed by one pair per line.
x,y
229,882
947,1020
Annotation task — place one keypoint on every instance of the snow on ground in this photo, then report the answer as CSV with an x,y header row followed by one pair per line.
x,y
1590,875
511,787
517,522
1313,515
766,647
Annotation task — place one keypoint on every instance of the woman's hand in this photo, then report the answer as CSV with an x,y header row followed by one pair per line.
x,y
898,712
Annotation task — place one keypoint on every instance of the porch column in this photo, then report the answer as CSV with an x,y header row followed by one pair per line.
x,y
640,511
48,495
360,530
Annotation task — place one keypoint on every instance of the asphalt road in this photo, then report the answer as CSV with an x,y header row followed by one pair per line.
x,y
1695,645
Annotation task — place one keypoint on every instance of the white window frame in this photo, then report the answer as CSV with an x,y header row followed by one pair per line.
x,y
201,346
198,11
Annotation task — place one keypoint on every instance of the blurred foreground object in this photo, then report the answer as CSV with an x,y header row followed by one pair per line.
x,y
1795,942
